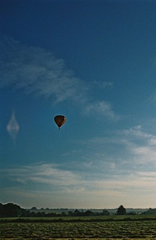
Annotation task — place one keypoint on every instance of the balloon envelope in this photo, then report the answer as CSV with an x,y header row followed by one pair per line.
x,y
59,120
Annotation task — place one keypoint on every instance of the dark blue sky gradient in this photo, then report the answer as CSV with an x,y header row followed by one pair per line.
x,y
94,62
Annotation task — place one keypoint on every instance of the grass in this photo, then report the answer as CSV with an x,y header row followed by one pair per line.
x,y
114,227
81,218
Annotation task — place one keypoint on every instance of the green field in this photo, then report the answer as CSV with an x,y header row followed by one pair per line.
x,y
74,228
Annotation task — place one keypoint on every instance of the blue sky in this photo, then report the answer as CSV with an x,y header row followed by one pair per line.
x,y
94,62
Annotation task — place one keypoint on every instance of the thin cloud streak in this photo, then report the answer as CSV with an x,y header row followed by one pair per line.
x,y
49,184
38,72
141,145
65,179
103,108
135,147
102,84
42,173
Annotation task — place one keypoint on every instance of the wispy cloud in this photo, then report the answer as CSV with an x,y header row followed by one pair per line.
x,y
42,173
36,71
103,108
123,152
141,145
102,84
48,184
115,170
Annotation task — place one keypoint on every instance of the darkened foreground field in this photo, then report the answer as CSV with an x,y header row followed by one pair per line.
x,y
78,228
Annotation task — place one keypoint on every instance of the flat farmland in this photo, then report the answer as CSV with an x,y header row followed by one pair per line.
x,y
122,229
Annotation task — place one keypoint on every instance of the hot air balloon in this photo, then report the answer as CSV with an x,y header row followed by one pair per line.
x,y
59,120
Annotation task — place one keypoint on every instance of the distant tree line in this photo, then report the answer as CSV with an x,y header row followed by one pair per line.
x,y
88,213
13,210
